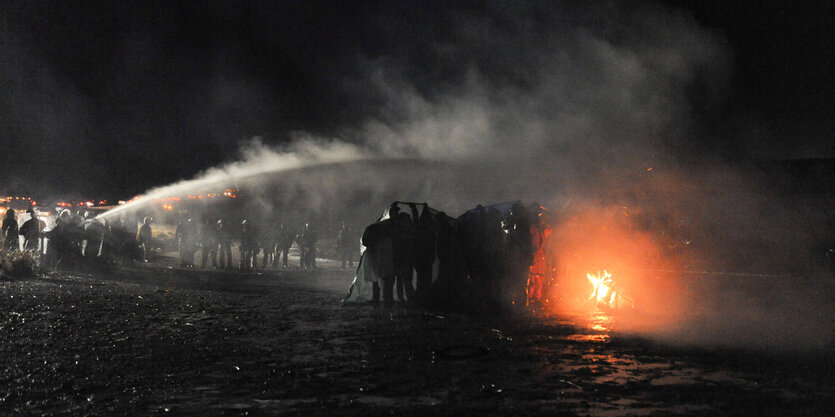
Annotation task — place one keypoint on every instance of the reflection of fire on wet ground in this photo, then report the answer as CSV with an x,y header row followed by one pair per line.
x,y
188,342
604,373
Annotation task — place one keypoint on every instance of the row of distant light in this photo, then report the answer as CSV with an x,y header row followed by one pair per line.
x,y
200,196
229,192
10,198
40,212
82,204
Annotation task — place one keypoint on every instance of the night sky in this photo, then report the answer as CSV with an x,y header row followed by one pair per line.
x,y
108,99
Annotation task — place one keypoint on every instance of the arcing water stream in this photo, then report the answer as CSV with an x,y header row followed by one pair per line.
x,y
259,161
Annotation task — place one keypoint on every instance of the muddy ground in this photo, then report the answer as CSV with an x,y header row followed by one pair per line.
x,y
154,340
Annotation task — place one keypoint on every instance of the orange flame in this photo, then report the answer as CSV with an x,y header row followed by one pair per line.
x,y
602,284
604,292
636,258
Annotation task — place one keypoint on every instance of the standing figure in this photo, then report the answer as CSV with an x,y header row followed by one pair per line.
x,y
269,241
41,241
10,232
285,241
127,231
187,237
451,281
425,242
492,260
31,231
404,256
209,243
344,245
300,243
93,230
520,256
109,245
76,232
59,239
378,241
224,237
249,244
146,238
544,260
308,241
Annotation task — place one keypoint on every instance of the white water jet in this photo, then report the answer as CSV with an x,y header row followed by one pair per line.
x,y
257,160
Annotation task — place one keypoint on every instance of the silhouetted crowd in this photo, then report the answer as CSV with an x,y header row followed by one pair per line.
x,y
272,243
75,234
82,237
75,237
484,256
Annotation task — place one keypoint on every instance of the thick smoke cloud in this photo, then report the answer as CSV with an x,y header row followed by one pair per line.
x,y
553,100
581,94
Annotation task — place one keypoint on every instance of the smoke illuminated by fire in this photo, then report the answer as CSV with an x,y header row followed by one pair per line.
x,y
633,261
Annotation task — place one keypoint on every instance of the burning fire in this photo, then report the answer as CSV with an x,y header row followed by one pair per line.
x,y
635,285
603,285
605,291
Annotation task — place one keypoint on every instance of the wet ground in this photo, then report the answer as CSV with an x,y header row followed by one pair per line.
x,y
153,340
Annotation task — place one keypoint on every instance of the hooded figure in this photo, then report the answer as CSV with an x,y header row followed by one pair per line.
x,y
10,231
379,255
